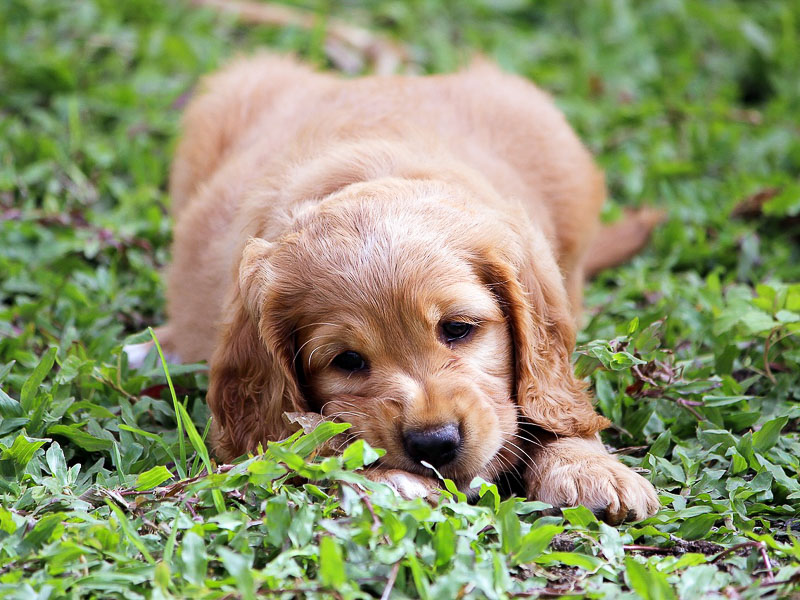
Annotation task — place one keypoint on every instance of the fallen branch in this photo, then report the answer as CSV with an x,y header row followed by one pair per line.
x,y
762,547
387,591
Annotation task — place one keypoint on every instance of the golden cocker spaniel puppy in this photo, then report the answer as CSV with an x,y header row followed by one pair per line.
x,y
402,253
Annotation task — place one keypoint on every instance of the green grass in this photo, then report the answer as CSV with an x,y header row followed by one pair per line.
x,y
692,348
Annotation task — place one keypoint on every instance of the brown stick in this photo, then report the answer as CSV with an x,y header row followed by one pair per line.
x,y
653,549
387,591
762,547
376,522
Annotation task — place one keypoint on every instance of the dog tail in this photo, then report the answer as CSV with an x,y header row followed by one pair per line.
x,y
618,242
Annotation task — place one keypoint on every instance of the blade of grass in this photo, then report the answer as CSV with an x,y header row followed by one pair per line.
x,y
200,447
118,464
205,437
182,444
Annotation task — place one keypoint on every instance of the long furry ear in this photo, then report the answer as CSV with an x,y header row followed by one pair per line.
x,y
530,288
252,381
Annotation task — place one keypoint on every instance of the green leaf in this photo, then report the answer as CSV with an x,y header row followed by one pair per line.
x,y
580,516
755,321
41,533
264,471
238,566
30,388
331,563
151,436
444,542
161,577
194,558
9,408
535,542
647,582
488,493
451,487
23,449
420,581
359,454
5,370
326,430
662,443
57,463
152,478
717,401
277,514
194,437
766,437
697,527
394,528
571,559
674,471
301,527
79,437
509,526
633,325
624,360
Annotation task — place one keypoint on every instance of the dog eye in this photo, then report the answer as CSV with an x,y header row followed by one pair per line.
x,y
350,361
455,330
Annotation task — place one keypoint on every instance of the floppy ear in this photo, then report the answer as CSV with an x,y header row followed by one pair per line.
x,y
533,297
252,381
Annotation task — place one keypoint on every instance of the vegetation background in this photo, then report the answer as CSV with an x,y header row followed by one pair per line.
x,y
692,349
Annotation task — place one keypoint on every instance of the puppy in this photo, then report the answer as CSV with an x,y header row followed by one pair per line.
x,y
405,254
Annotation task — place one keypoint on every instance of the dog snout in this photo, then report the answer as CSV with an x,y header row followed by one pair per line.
x,y
437,445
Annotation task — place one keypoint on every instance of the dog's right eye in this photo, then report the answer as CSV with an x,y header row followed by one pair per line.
x,y
350,361
453,331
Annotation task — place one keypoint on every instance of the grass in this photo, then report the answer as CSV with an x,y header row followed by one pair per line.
x,y
692,348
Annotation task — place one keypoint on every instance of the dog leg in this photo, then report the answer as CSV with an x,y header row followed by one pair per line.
x,y
619,242
572,471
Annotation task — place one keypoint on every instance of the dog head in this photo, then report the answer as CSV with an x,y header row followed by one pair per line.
x,y
398,306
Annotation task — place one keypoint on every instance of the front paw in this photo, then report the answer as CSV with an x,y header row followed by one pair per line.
x,y
601,483
405,484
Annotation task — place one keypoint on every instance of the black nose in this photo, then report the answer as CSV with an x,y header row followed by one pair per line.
x,y
438,446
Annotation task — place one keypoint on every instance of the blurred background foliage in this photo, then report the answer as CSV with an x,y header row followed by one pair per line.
x,y
692,348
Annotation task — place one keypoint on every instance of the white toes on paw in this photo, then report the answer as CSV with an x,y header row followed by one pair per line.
x,y
407,485
137,353
639,497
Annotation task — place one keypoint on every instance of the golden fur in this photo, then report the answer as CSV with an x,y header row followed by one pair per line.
x,y
316,215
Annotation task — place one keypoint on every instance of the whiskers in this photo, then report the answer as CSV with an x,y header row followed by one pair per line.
x,y
346,416
316,337
306,343
523,457
317,324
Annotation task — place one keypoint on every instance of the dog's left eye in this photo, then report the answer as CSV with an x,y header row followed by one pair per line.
x,y
350,361
455,330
